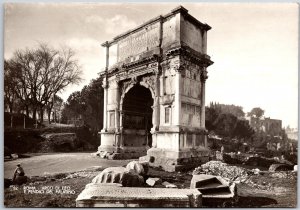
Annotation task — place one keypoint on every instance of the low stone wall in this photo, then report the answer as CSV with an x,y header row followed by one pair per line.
x,y
59,142
31,140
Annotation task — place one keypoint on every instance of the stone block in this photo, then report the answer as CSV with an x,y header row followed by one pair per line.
x,y
145,166
14,156
256,171
119,175
172,161
169,185
132,180
136,167
153,181
214,189
281,167
146,158
114,196
110,175
201,180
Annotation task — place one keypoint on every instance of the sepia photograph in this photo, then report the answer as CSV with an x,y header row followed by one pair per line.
x,y
150,105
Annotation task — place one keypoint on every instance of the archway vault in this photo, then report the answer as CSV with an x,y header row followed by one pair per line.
x,y
136,118
128,85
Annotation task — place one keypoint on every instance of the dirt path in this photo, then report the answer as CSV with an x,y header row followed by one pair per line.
x,y
58,163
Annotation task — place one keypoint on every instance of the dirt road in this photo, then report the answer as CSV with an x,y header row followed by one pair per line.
x,y
57,163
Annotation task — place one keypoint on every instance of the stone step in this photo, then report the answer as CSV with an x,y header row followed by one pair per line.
x,y
208,184
209,181
214,190
202,180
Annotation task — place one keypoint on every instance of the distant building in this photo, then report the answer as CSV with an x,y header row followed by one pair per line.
x,y
272,127
292,133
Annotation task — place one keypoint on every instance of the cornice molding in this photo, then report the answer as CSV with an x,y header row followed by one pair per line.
x,y
191,55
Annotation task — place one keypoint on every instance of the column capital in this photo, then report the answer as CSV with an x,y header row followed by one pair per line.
x,y
203,75
179,69
105,84
117,80
157,71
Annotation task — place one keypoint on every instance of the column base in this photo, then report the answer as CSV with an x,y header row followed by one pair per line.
x,y
128,144
172,161
122,153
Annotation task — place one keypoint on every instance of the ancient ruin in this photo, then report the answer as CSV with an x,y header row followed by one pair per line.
x,y
154,92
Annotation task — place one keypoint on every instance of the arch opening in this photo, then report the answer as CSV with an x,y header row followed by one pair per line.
x,y
137,117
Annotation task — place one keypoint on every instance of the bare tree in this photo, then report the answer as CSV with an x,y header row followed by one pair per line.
x,y
54,104
9,87
42,73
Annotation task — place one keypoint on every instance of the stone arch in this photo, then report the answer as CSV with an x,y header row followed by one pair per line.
x,y
131,85
137,115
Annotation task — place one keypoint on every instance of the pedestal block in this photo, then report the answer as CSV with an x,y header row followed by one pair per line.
x,y
111,146
171,160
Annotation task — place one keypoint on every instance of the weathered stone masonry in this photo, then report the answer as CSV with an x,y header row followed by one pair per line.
x,y
154,92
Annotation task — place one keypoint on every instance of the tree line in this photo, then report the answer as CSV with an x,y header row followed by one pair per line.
x,y
34,77
86,105
228,121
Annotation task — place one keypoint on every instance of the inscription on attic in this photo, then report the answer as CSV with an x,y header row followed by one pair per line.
x,y
141,41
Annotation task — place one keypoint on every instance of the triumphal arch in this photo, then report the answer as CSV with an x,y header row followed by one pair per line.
x,y
154,92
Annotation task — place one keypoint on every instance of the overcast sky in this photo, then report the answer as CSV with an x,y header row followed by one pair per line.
x,y
254,46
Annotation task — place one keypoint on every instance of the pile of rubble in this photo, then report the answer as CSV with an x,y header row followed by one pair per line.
x,y
217,168
284,175
237,174
232,174
260,186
